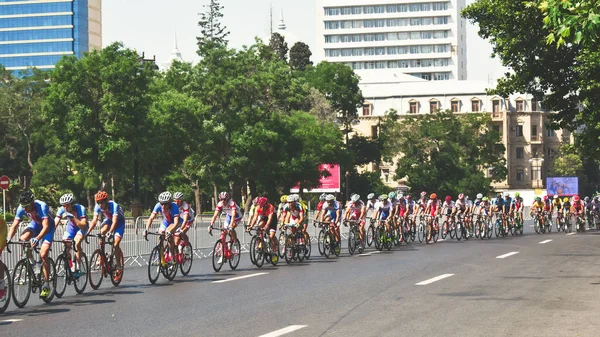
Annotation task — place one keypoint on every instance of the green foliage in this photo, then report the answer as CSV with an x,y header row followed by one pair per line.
x,y
568,163
212,34
367,182
279,46
444,152
300,56
364,150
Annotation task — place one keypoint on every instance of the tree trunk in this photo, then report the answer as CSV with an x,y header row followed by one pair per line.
x,y
215,196
112,185
197,198
90,200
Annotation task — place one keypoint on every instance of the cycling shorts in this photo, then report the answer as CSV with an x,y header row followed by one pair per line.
x,y
120,227
72,231
228,221
36,228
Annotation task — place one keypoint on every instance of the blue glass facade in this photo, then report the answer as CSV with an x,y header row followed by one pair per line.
x,y
40,34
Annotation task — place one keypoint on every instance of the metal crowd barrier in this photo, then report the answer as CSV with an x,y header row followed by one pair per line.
x,y
136,249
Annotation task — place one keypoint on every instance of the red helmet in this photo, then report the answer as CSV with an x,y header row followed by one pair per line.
x,y
223,196
101,195
448,198
423,194
576,198
262,201
433,196
461,196
545,198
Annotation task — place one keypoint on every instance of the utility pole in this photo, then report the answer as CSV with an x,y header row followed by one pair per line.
x,y
271,21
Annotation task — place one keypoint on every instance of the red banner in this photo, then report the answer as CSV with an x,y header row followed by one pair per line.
x,y
329,184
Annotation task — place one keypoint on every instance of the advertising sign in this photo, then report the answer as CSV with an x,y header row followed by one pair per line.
x,y
566,186
329,184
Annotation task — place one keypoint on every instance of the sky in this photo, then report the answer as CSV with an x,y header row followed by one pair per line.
x,y
151,26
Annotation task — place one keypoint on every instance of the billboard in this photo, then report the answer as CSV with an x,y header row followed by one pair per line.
x,y
566,186
329,184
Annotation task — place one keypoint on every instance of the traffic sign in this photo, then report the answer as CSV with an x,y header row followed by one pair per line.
x,y
4,182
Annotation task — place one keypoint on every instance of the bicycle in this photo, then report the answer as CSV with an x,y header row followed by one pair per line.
x,y
103,264
260,248
432,229
580,223
560,222
421,228
185,259
27,279
225,251
323,228
370,232
65,275
157,261
449,227
354,241
5,301
460,230
294,243
537,223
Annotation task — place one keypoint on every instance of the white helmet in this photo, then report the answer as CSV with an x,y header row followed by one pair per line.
x,y
506,194
296,197
322,196
68,198
223,196
355,197
329,197
178,196
290,198
400,195
164,197
371,196
479,195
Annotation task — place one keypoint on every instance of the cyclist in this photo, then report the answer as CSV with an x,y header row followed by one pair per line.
x,y
186,219
394,201
422,203
3,233
449,210
356,210
548,208
506,210
39,231
233,215
331,213
462,208
383,210
266,218
595,207
282,203
320,206
251,212
77,226
537,208
577,208
557,205
566,207
170,222
517,208
432,209
113,224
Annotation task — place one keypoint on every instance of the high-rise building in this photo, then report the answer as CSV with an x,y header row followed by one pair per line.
x,y
425,39
37,33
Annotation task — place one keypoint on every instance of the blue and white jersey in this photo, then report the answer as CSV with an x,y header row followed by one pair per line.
x,y
40,211
168,215
112,208
79,212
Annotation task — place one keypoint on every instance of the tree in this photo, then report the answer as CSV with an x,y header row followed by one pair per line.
x,y
279,46
211,32
564,80
300,56
451,155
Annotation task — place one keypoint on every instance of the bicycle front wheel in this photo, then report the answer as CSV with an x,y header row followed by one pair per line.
x,y
218,255
8,284
81,281
51,280
187,257
307,246
351,242
22,282
154,265
256,252
370,235
62,275
282,244
253,249
236,251
96,273
117,271
321,242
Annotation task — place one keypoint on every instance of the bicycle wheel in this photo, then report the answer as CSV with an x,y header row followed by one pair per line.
x,y
490,230
62,275
282,238
289,249
117,272
377,240
421,233
256,252
436,233
51,280
370,235
321,242
253,249
458,231
351,242
8,286
497,228
22,282
274,254
217,255
236,251
452,231
307,246
299,249
327,240
81,281
169,271
154,265
187,258
96,273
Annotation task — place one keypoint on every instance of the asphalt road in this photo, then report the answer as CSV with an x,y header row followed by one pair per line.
x,y
542,289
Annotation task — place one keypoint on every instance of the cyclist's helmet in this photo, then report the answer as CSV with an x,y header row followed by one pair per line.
x,y
262,201
178,196
283,198
26,198
506,194
423,194
290,198
545,198
330,197
576,198
461,196
400,195
538,199
68,198
223,196
392,195
479,195
586,199
596,198
371,196
296,197
383,197
517,195
323,196
485,199
165,197
255,201
355,197
566,199
448,198
408,197
467,198
433,196
101,195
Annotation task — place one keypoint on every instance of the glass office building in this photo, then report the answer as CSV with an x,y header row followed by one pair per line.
x,y
38,33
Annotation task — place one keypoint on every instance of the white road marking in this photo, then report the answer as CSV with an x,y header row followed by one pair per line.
x,y
545,241
283,331
11,320
507,255
571,233
431,280
367,254
531,226
239,278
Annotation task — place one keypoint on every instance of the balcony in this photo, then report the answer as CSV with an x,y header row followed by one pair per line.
x,y
536,139
497,115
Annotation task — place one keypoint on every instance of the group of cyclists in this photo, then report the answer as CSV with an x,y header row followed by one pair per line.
x,y
393,211
585,212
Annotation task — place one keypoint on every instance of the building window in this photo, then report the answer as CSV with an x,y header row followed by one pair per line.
x,y
374,131
535,152
550,152
386,175
475,105
455,106
534,105
536,173
520,105
520,152
519,131
498,130
520,175
414,107
366,111
550,132
534,134
434,106
496,106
